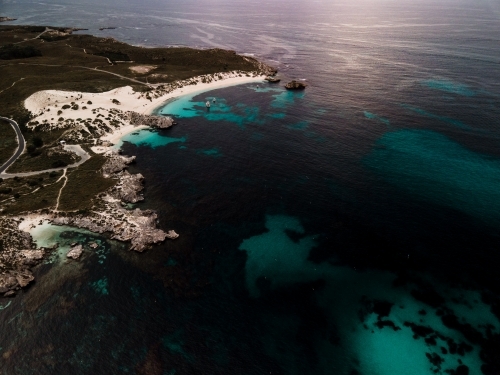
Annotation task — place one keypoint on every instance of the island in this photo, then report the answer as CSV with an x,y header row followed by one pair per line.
x,y
295,85
67,99
5,19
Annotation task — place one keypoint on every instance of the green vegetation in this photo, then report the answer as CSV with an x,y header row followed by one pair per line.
x,y
59,60
42,152
84,183
38,192
113,56
8,144
32,193
63,67
11,51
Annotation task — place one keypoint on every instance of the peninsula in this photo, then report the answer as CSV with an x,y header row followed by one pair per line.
x,y
66,100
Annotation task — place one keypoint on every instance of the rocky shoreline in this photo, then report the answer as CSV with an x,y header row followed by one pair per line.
x,y
17,258
97,121
110,215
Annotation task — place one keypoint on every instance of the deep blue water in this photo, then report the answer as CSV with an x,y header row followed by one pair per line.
x,y
351,228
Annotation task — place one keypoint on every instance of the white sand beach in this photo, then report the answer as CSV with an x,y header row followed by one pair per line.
x,y
55,108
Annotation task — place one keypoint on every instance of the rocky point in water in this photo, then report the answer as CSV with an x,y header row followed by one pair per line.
x,y
15,264
295,85
75,252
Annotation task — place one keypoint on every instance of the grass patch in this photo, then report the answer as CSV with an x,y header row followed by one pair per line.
x,y
84,183
68,56
8,144
39,162
11,51
36,157
45,197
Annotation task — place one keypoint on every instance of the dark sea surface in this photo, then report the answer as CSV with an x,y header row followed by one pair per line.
x,y
351,228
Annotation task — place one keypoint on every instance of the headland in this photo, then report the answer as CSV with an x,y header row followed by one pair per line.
x,y
73,98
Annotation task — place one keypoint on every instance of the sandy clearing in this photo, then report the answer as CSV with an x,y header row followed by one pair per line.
x,y
142,69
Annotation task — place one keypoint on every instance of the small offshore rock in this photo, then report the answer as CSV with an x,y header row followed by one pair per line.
x,y
93,245
75,252
9,293
172,234
295,85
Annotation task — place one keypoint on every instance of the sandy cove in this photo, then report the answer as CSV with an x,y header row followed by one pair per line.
x,y
104,117
47,106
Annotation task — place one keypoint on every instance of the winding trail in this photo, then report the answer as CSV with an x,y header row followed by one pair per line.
x,y
11,85
61,189
93,69
20,141
77,149
36,37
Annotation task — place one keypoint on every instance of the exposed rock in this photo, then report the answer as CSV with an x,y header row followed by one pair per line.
x,y
13,280
116,163
5,19
15,263
136,226
149,120
93,245
128,188
272,79
24,278
172,234
295,85
75,252
31,257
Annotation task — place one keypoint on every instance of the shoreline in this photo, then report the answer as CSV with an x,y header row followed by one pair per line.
x,y
38,103
76,109
157,104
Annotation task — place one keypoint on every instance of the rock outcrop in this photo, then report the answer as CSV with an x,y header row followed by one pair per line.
x,y
116,163
129,188
295,85
75,252
150,120
17,256
272,79
135,226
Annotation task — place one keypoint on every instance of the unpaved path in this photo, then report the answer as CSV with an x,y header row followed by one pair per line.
x,y
77,149
61,189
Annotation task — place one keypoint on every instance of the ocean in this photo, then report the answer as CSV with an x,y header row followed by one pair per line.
x,y
350,228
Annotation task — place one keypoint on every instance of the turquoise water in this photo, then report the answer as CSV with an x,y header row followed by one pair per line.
x,y
101,286
459,124
431,166
373,116
350,228
277,261
449,87
276,258
149,138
